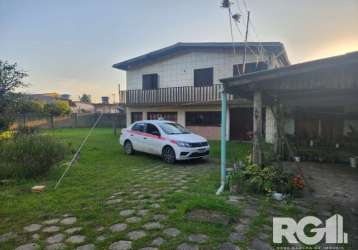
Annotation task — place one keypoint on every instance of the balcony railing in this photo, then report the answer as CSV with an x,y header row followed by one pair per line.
x,y
173,95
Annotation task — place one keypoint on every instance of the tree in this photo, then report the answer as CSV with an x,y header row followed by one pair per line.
x,y
10,79
85,98
57,108
26,106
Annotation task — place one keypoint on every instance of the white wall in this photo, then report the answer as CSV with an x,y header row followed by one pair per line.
x,y
179,70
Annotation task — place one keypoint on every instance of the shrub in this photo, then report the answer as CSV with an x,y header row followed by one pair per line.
x,y
26,131
268,179
29,155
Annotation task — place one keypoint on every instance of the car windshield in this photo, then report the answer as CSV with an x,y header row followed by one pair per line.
x,y
173,128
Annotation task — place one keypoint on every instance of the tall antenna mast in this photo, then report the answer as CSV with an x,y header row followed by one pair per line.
x,y
246,36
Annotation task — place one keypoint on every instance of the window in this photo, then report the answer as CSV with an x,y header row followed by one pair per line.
x,y
173,128
136,116
249,68
203,77
237,70
138,127
150,81
153,130
169,116
210,118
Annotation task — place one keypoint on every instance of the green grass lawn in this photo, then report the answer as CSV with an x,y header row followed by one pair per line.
x,y
103,170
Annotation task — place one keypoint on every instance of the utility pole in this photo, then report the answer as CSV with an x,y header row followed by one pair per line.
x,y
246,36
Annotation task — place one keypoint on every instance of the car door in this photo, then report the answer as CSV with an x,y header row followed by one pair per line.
x,y
153,140
136,135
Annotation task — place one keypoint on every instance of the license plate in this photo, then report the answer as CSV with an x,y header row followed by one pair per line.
x,y
202,149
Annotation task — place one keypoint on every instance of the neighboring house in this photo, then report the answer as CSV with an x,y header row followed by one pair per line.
x,y
51,97
107,108
82,107
182,83
46,97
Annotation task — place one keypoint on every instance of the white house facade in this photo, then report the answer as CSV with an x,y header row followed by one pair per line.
x,y
182,83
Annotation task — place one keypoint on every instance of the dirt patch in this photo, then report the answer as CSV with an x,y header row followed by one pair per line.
x,y
209,216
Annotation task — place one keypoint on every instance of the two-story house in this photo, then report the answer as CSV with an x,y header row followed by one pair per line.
x,y
182,83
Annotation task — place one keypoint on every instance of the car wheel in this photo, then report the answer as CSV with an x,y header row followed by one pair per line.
x,y
168,155
128,148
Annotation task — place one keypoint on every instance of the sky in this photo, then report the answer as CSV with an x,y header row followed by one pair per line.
x,y
69,46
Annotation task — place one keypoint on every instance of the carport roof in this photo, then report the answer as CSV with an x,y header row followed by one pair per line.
x,y
333,73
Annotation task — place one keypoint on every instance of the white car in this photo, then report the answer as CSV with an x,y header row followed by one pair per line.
x,y
165,138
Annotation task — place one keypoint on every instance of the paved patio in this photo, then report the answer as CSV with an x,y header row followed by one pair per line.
x,y
333,188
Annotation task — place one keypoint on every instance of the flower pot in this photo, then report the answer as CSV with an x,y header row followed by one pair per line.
x,y
353,161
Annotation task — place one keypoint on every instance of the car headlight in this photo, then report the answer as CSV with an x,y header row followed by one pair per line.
x,y
183,144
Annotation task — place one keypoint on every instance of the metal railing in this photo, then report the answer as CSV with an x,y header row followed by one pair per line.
x,y
172,95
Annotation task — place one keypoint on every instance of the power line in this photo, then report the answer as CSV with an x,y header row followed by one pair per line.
x,y
261,49
227,5
231,32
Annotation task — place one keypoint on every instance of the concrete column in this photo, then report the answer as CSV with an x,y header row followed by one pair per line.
x,y
257,150
145,115
181,117
128,116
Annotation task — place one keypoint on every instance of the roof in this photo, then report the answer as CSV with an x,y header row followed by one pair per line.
x,y
337,66
276,48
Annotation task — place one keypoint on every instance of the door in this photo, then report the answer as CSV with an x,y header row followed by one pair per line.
x,y
136,135
153,141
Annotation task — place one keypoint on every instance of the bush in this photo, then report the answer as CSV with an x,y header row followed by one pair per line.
x,y
29,155
268,179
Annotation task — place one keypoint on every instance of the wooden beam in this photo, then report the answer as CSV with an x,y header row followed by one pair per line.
x,y
257,154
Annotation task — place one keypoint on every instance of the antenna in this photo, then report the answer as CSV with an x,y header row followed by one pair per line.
x,y
246,35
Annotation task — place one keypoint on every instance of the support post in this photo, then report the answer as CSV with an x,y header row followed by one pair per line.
x,y
257,148
276,135
223,142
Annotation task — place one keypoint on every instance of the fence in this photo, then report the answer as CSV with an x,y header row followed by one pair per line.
x,y
85,120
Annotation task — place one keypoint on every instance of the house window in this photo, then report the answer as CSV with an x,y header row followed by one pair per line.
x,y
210,118
170,116
150,81
237,69
249,68
136,116
203,77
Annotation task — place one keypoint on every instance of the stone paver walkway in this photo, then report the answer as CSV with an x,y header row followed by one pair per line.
x,y
142,219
